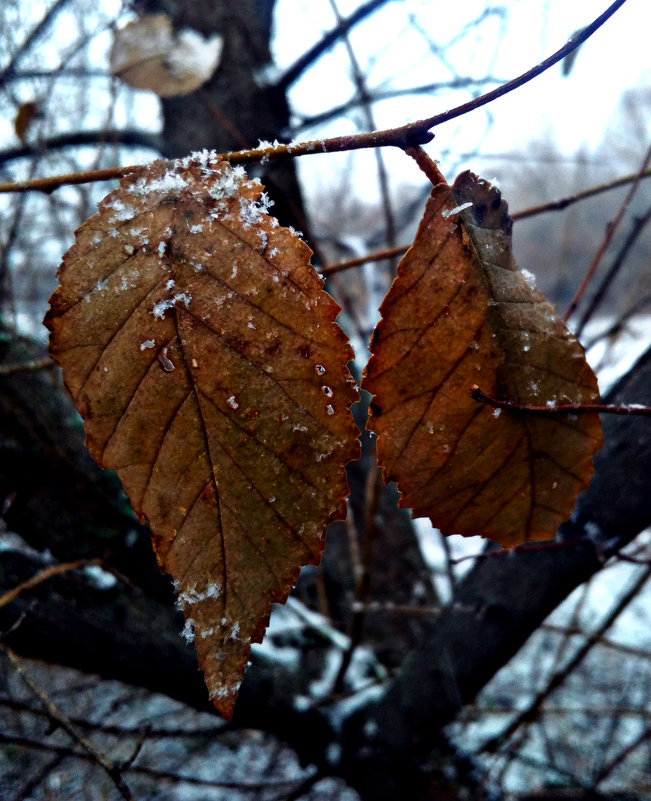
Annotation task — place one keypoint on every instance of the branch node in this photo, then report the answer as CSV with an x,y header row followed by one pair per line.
x,y
417,137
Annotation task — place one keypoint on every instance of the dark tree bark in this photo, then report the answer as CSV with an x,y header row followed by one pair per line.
x,y
239,105
387,748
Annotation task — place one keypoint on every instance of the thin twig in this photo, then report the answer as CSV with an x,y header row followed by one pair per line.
x,y
303,787
197,732
634,560
427,165
560,408
155,773
32,36
56,715
525,548
377,95
389,608
380,255
36,779
609,767
366,102
308,58
64,567
373,493
46,574
572,631
69,179
27,367
532,211
563,203
637,228
404,136
609,235
129,138
529,714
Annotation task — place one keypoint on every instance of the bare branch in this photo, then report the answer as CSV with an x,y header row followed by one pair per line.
x,y
375,95
639,223
31,38
27,367
330,38
528,714
129,138
552,205
57,570
625,752
77,736
563,203
409,135
156,773
609,235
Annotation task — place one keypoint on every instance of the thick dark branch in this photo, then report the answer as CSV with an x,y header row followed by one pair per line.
x,y
123,634
61,72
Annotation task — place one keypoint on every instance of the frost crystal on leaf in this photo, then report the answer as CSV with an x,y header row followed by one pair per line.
x,y
188,630
449,212
193,596
163,305
120,211
170,182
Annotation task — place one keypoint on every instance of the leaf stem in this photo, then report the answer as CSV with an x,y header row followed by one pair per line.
x,y
426,164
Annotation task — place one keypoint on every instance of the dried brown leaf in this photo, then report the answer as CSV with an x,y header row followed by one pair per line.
x,y
199,346
148,54
460,313
27,114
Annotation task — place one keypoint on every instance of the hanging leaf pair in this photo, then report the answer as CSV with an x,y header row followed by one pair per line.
x,y
198,345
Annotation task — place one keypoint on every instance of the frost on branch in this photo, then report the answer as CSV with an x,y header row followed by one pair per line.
x,y
195,339
459,314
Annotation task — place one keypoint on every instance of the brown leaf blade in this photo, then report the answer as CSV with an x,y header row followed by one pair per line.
x,y
460,313
198,345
